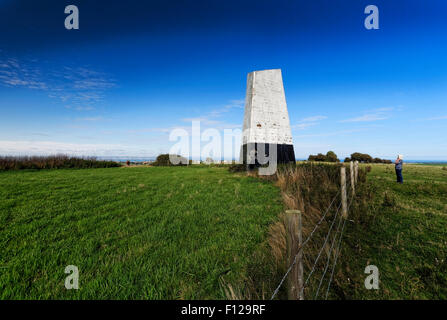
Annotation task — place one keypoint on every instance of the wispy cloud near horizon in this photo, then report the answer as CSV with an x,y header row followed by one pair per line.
x,y
91,119
214,117
25,147
366,118
373,115
77,88
435,118
308,122
334,133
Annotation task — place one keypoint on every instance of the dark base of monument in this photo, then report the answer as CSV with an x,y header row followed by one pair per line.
x,y
284,153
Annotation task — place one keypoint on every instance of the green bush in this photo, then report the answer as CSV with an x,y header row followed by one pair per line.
x,y
164,160
329,157
361,157
60,161
366,158
319,157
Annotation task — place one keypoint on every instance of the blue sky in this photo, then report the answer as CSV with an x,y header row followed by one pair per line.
x,y
135,70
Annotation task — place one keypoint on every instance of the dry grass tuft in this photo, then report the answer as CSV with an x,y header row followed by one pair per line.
x,y
234,292
277,241
309,188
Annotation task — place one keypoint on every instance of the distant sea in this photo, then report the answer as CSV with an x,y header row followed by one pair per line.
x,y
124,159
427,161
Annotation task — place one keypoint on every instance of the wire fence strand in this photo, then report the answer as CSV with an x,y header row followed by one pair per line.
x,y
317,225
321,250
329,256
337,253
302,246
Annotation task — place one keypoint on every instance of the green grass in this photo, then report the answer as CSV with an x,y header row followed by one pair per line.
x,y
176,232
134,233
403,232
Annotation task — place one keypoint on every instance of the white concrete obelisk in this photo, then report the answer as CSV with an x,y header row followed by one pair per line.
x,y
266,119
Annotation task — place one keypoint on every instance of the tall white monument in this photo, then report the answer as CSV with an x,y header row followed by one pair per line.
x,y
266,119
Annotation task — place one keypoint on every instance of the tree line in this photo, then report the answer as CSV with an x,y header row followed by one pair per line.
x,y
330,156
59,161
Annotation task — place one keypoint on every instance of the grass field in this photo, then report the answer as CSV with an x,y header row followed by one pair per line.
x,y
403,233
176,233
134,233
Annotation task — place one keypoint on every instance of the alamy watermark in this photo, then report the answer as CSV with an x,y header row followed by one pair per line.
x,y
372,20
72,20
372,281
197,145
72,281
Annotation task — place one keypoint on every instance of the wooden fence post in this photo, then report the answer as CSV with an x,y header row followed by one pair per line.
x,y
356,171
344,200
351,171
294,242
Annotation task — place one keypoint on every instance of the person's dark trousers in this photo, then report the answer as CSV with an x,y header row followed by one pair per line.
x,y
400,178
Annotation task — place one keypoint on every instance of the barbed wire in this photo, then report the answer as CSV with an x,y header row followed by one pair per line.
x,y
324,244
321,251
332,247
300,248
337,252
329,256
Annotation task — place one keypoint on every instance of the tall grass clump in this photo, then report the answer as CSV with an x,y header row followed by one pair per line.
x,y
59,161
310,188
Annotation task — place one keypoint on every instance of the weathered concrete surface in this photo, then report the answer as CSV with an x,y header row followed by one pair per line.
x,y
266,119
266,108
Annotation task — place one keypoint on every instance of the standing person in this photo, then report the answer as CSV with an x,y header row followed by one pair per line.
x,y
399,162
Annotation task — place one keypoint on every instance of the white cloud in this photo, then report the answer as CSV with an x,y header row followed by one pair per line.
x,y
81,88
308,122
377,114
367,118
51,147
90,119
436,118
305,125
156,130
313,119
334,133
80,108
233,104
203,120
211,118
383,109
